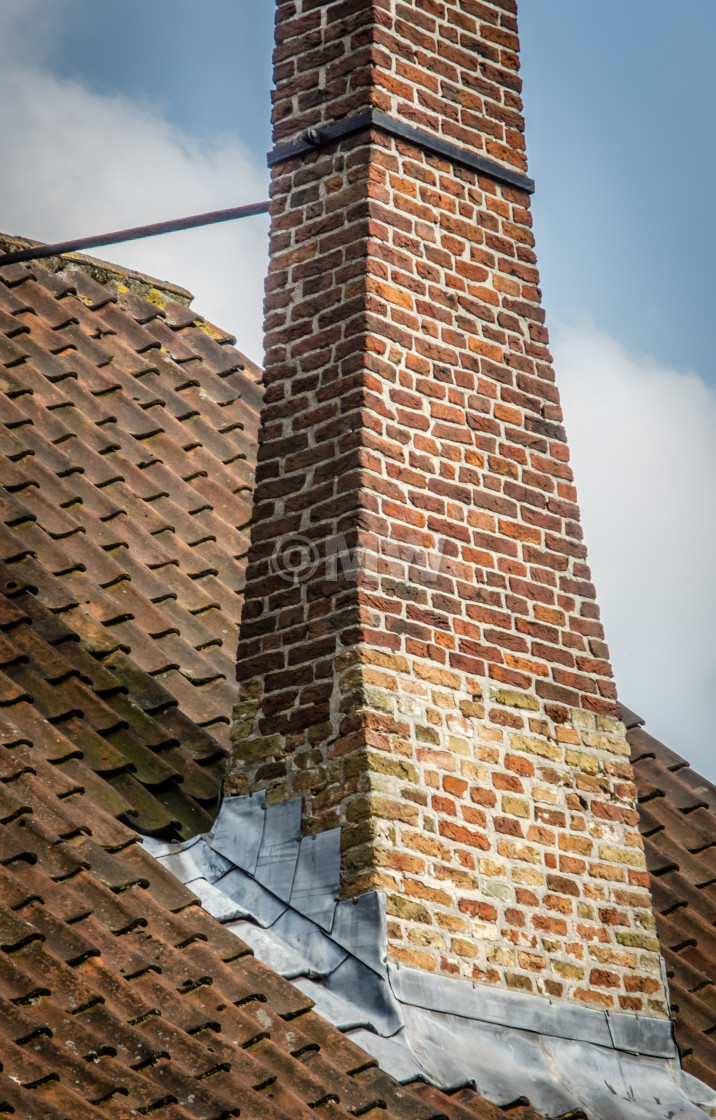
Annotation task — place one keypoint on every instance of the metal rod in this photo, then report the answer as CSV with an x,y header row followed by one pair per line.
x,y
208,219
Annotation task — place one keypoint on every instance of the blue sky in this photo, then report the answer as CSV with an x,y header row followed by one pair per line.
x,y
118,114
620,100
206,68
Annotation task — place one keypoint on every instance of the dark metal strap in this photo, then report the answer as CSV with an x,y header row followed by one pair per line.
x,y
213,216
315,138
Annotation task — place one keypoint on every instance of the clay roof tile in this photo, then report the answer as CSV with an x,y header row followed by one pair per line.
x,y
130,434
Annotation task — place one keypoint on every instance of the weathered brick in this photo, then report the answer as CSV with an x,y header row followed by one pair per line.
x,y
434,679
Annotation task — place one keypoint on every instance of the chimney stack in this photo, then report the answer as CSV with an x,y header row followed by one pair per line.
x,y
421,657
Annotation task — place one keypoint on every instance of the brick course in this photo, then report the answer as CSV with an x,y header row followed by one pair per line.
x,y
436,682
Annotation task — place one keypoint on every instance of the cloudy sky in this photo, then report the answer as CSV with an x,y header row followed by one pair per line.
x,y
121,114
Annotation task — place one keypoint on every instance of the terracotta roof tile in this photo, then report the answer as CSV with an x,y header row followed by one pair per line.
x,y
72,544
678,819
127,481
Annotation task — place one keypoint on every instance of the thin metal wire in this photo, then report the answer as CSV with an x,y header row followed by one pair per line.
x,y
210,218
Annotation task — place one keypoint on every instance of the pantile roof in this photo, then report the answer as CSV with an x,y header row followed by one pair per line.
x,y
126,460
121,997
128,436
127,453
677,810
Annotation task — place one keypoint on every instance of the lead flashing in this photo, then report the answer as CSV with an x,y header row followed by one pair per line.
x,y
629,1033
278,853
239,830
416,1024
316,138
316,882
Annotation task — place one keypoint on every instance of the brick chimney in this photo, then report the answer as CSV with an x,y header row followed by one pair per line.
x,y
421,657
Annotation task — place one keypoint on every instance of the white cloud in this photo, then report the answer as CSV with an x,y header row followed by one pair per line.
x,y
77,163
642,439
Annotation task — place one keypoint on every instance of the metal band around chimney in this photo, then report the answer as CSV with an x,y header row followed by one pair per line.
x,y
315,138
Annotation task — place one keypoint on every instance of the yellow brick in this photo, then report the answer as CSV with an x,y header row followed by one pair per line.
x,y
435,675
607,743
489,735
320,733
650,962
568,971
580,760
531,961
645,919
633,857
378,808
527,877
611,725
515,699
428,938
354,836
545,796
258,749
638,941
463,879
443,699
658,1006
451,921
246,710
493,868
473,772
490,755
399,907
595,890
365,656
518,982
605,955
380,680
251,690
427,735
235,784
459,746
540,727
516,807
485,931
395,767
536,746
605,871
463,948
500,956
472,710
571,843
241,730
524,852
406,704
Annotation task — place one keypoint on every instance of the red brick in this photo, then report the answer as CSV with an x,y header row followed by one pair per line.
x,y
411,407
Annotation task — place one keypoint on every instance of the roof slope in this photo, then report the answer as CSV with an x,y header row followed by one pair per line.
x,y
120,996
126,464
126,460
677,810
